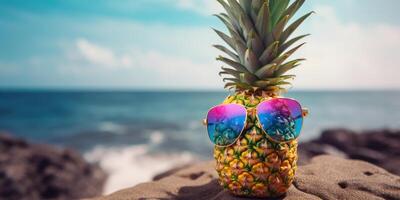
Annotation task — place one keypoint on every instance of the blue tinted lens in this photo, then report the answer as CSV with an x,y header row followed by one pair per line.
x,y
225,123
280,118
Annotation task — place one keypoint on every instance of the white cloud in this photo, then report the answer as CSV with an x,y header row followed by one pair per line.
x,y
147,67
99,55
341,55
349,55
128,53
136,58
204,7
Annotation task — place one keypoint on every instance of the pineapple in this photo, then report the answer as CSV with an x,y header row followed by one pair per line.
x,y
260,44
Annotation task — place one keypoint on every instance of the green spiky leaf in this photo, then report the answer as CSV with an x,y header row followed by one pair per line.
x,y
231,80
292,27
255,43
278,30
224,20
245,21
291,42
263,20
293,8
277,9
247,78
226,38
251,61
269,53
229,71
239,67
228,52
230,14
246,5
258,42
279,60
266,71
255,8
241,50
287,66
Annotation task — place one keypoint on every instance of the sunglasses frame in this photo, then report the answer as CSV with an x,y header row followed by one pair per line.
x,y
304,113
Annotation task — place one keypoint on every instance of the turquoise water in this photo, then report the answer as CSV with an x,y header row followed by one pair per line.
x,y
83,120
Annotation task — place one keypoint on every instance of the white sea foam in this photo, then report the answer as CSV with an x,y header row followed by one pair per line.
x,y
128,166
156,137
111,127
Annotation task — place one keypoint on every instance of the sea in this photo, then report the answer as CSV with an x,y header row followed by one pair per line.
x,y
134,135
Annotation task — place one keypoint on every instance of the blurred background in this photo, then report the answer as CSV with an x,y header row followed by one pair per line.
x,y
127,83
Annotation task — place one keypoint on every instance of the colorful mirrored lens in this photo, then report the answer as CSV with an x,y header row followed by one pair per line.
x,y
225,123
280,118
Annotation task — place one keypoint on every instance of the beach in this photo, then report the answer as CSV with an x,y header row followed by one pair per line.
x,y
340,164
134,136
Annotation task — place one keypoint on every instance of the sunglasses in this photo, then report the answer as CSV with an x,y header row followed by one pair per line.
x,y
280,118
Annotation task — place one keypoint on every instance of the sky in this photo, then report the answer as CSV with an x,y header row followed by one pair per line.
x,y
166,44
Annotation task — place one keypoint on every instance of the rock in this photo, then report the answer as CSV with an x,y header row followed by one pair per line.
x,y
340,138
309,150
325,177
380,147
335,178
38,171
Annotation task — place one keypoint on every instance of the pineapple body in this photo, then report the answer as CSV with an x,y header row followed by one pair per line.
x,y
254,165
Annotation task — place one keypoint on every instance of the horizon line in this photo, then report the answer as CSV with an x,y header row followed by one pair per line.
x,y
121,89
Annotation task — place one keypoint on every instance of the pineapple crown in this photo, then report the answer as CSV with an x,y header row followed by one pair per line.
x,y
259,43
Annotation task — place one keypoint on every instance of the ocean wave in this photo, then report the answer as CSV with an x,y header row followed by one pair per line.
x,y
156,137
128,166
112,127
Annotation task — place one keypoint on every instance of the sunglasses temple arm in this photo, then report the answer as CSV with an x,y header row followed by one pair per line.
x,y
305,112
204,122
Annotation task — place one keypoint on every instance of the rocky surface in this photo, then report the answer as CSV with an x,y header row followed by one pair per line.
x,y
380,147
37,171
325,177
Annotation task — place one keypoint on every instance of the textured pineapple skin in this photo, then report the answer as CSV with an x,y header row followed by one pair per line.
x,y
255,166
